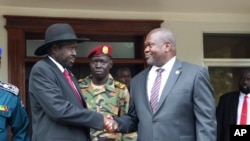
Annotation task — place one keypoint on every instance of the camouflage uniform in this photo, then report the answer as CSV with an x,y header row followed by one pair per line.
x,y
111,99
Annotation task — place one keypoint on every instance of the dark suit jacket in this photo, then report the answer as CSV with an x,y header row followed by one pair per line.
x,y
56,113
186,109
227,114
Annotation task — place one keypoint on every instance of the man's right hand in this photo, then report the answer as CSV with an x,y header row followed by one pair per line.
x,y
110,124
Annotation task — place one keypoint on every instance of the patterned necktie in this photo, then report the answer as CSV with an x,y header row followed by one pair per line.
x,y
68,77
154,98
243,118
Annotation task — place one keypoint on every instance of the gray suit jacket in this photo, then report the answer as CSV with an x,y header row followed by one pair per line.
x,y
56,113
186,109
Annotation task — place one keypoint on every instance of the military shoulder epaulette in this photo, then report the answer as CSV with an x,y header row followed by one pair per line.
x,y
119,84
9,87
80,80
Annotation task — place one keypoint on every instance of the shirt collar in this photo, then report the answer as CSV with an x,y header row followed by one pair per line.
x,y
243,95
166,66
57,64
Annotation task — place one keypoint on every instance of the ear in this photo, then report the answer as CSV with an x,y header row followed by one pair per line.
x,y
168,46
110,63
54,48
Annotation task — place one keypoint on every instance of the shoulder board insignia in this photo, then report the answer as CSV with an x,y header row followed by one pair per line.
x,y
4,108
9,87
80,80
119,84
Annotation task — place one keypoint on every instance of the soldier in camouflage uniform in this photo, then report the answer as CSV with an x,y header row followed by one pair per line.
x,y
104,94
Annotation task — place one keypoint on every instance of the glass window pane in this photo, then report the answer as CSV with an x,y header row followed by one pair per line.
x,y
120,49
31,46
224,79
226,45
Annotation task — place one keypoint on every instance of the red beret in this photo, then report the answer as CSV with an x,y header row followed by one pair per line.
x,y
103,49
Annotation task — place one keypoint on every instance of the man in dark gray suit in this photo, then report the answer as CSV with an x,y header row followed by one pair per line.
x,y
58,110
182,110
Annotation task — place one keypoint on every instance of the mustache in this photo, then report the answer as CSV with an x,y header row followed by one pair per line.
x,y
245,89
147,54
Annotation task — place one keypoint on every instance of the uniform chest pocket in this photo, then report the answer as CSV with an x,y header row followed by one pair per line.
x,y
3,120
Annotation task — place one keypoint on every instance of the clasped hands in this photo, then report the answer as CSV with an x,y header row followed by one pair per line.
x,y
110,124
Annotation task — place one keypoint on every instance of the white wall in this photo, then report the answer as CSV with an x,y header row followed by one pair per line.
x,y
188,27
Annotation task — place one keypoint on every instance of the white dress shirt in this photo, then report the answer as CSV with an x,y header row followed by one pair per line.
x,y
57,64
164,76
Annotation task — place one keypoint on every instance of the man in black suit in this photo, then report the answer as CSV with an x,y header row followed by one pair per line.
x,y
58,110
230,107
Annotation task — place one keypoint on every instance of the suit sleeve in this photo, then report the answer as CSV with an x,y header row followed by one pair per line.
x,y
46,88
128,122
220,119
129,136
204,107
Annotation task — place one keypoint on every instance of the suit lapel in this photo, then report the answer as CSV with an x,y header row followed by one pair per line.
x,y
65,81
143,78
77,88
173,77
234,107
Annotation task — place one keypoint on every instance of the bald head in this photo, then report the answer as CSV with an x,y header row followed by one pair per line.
x,y
165,35
159,46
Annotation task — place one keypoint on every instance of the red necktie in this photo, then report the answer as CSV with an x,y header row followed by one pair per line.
x,y
243,118
68,77
154,98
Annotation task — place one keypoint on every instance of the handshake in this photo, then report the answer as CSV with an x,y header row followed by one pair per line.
x,y
110,124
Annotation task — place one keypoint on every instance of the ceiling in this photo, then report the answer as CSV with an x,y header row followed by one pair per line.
x,y
186,6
